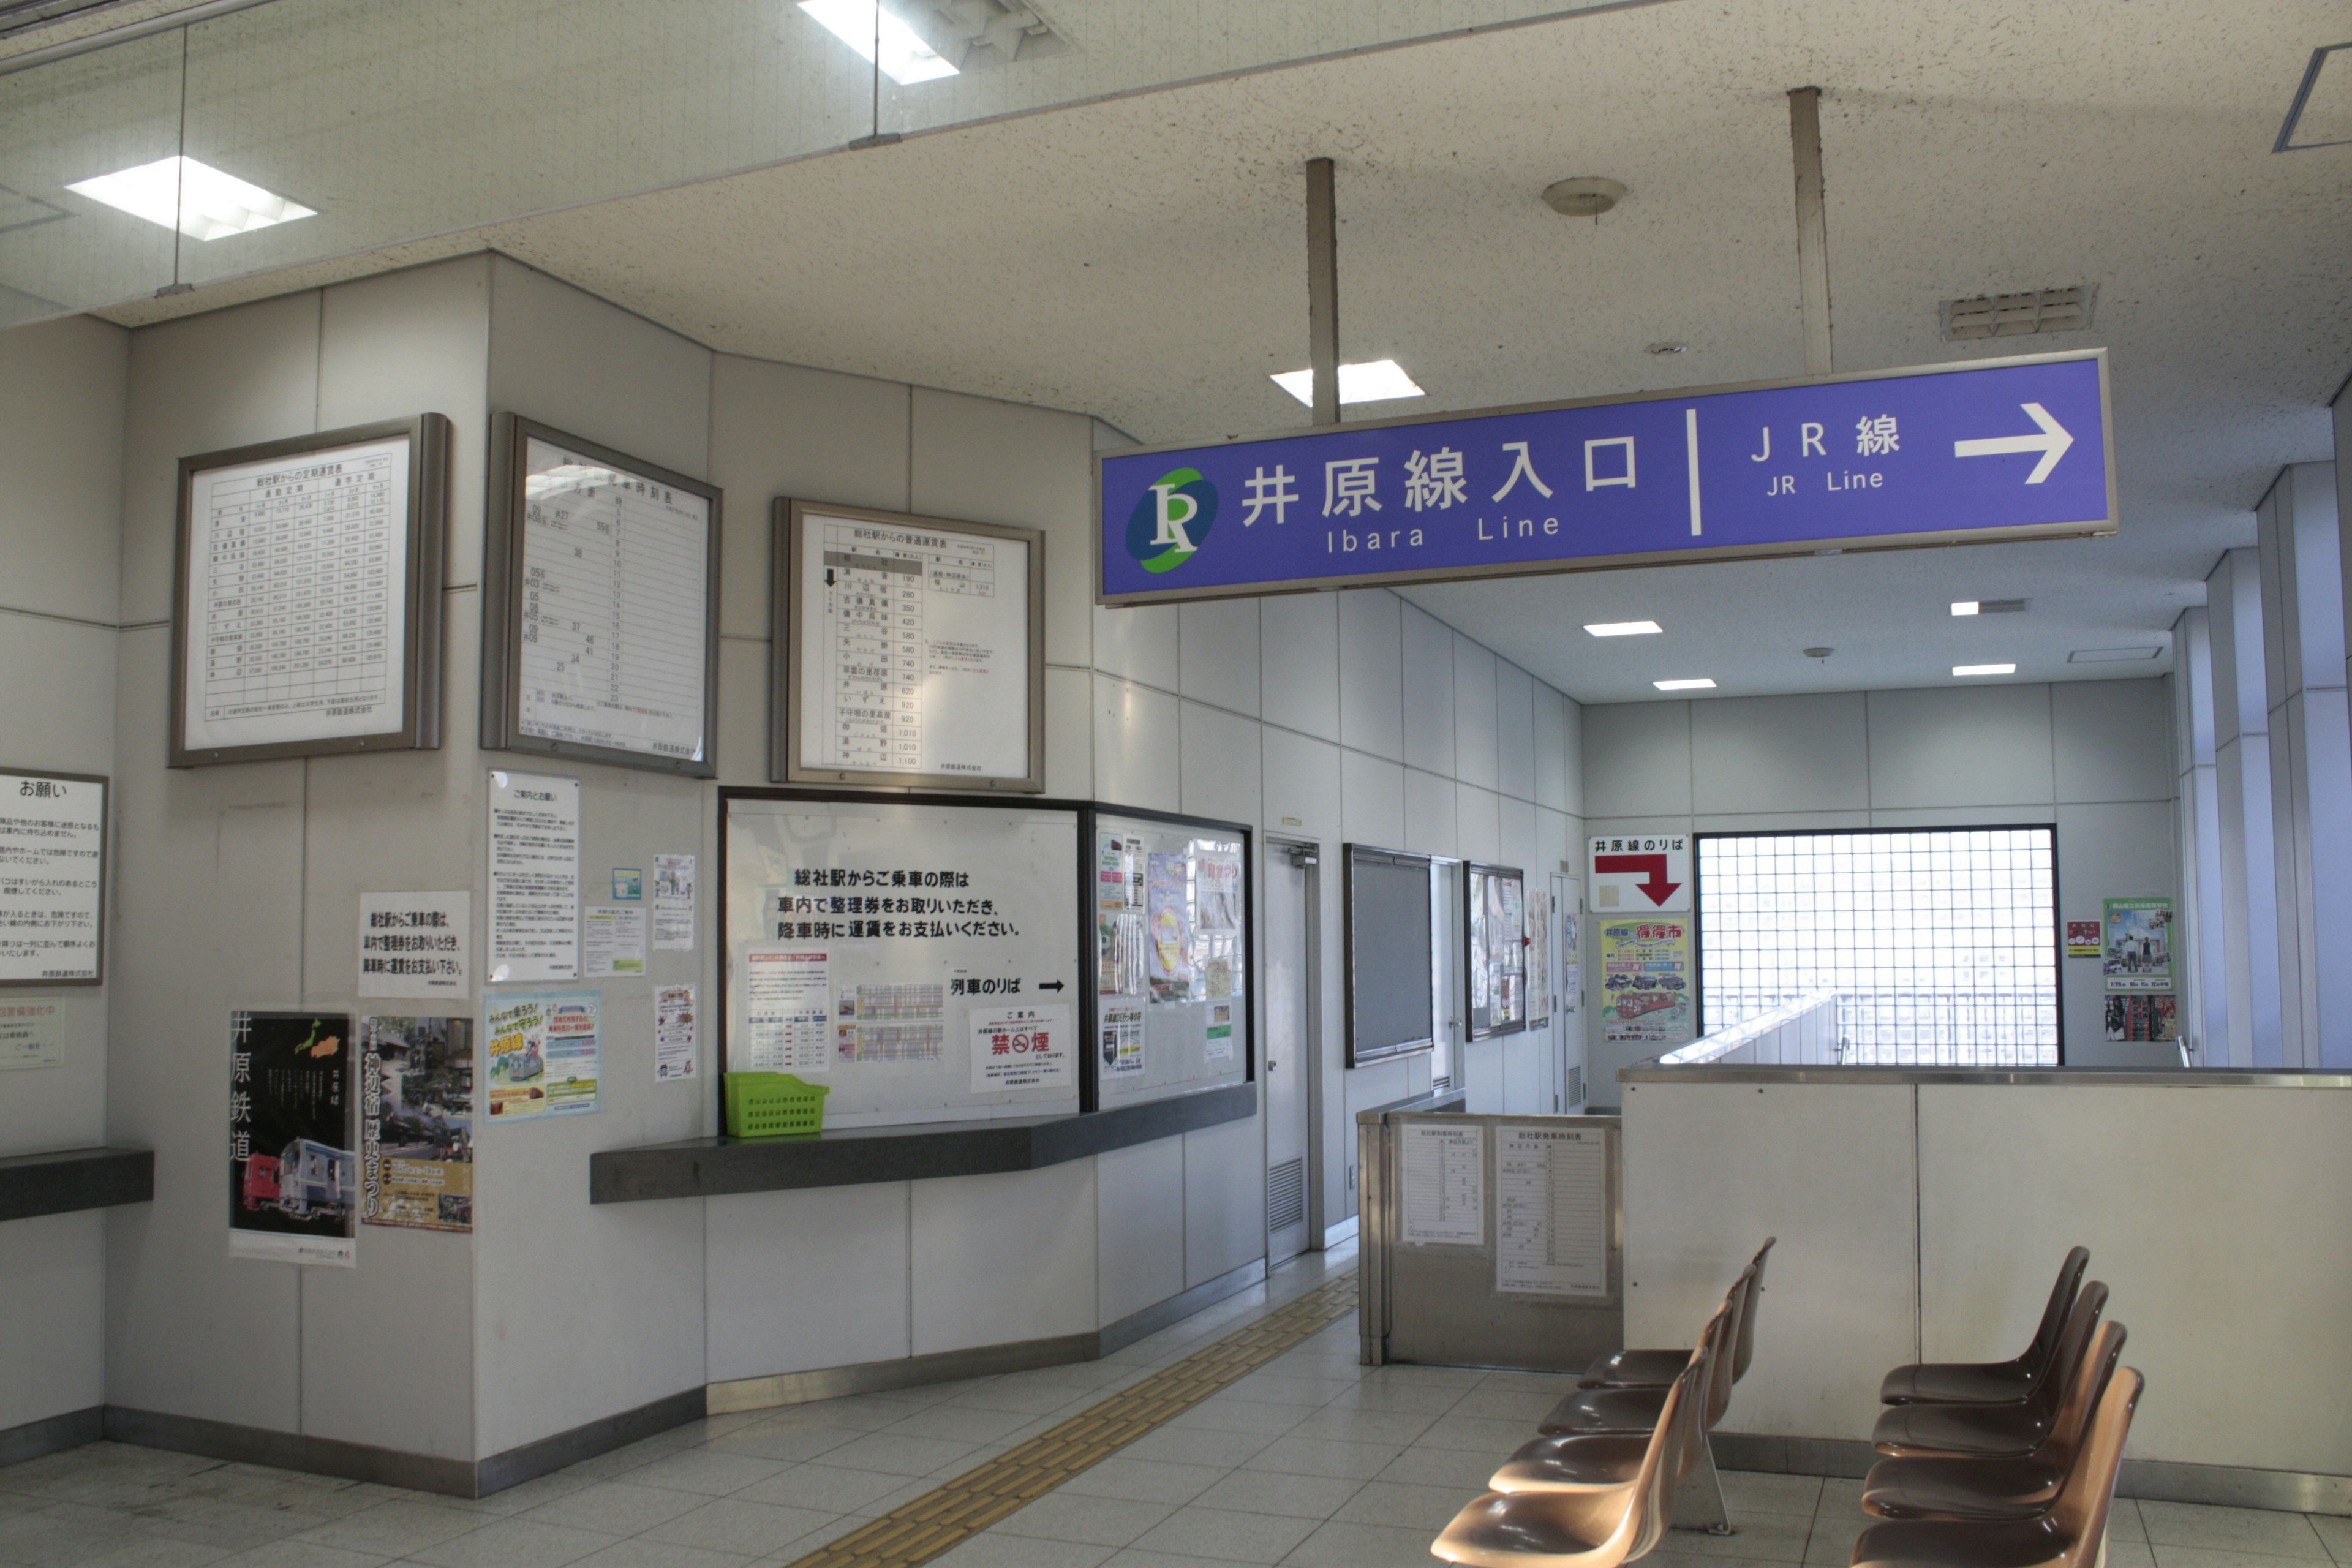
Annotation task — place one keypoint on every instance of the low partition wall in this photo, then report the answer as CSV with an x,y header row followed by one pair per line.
x,y
1922,1216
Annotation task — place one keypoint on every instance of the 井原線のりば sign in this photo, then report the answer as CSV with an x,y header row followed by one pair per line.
x,y
1973,453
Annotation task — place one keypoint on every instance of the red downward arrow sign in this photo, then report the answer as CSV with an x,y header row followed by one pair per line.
x,y
1653,883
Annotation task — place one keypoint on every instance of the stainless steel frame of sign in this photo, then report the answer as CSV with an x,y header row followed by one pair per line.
x,y
788,666
1472,872
1438,1304
2084,528
502,590
1359,1054
428,509
105,867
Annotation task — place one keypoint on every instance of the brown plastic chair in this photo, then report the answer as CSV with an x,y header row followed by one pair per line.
x,y
1599,1459
2067,1534
1656,1368
1919,1486
1596,1528
1997,1431
1584,1411
2009,1382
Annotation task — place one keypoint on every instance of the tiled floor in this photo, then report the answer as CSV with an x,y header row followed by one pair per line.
x,y
1312,1461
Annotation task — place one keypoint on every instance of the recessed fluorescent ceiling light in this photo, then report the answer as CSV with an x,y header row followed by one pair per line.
x,y
1371,383
1964,607
1625,629
862,25
1701,684
2111,655
1984,669
194,198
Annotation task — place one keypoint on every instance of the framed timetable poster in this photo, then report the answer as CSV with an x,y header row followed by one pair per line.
x,y
307,605
600,606
913,652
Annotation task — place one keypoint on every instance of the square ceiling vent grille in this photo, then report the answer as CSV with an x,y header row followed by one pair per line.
x,y
2018,315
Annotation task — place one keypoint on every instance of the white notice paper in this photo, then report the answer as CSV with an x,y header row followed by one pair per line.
x,y
32,1034
1121,1038
788,1007
534,877
52,860
674,1032
673,903
914,650
1551,1211
416,944
298,596
1442,1171
1023,1047
616,607
613,941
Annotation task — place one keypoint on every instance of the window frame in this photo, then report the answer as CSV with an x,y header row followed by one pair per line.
x,y
2057,898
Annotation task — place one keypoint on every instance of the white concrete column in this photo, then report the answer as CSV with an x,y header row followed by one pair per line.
x,y
2249,864
2200,945
2311,757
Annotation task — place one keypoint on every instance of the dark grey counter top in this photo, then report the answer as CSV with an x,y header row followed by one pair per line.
x,y
846,1156
71,1179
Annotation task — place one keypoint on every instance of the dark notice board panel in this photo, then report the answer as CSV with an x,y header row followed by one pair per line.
x,y
1392,955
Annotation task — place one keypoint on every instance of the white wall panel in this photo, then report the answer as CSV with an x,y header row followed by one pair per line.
x,y
61,392
987,461
1476,755
1552,757
1514,839
410,1302
1136,745
1637,760
1712,1169
1428,685
1220,765
1140,643
1225,1198
1573,714
1371,672
1478,823
563,357
967,1229
53,1298
1780,753
1069,733
1218,653
1140,1232
811,435
740,747
1371,801
1430,825
2112,740
226,378
1515,730
1302,781
799,1280
1301,680
1975,745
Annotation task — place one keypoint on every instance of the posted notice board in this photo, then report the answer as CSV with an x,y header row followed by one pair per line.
x,y
1171,955
920,959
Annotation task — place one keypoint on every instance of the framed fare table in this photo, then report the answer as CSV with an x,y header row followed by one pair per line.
x,y
600,607
913,653
306,609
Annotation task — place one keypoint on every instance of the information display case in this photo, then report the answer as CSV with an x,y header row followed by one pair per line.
x,y
1168,966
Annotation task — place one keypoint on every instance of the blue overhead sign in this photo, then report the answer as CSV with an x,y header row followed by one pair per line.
x,y
1994,450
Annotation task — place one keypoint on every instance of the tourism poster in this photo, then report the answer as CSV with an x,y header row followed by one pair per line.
x,y
416,1123
293,1180
1645,973
1168,936
543,1051
2143,1017
2138,954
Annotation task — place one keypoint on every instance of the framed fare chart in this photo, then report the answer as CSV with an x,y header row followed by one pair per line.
x,y
913,652
600,607
307,606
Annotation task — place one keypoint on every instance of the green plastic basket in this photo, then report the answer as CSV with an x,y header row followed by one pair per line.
x,y
774,1105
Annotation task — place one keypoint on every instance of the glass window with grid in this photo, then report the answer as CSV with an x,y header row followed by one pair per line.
x,y
1941,945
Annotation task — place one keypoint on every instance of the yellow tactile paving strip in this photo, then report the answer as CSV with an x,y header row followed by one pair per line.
x,y
962,1508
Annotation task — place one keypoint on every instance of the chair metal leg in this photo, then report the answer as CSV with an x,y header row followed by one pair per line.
x,y
1699,1501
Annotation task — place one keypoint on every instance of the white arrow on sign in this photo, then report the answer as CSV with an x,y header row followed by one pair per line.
x,y
2052,443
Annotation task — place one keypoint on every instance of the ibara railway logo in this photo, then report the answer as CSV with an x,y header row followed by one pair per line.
x,y
1171,520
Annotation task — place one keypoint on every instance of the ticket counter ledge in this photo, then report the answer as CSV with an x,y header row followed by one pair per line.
x,y
849,1156
68,1180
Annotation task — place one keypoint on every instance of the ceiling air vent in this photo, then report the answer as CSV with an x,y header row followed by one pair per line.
x,y
2018,315
2111,655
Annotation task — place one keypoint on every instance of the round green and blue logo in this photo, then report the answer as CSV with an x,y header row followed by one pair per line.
x,y
1171,520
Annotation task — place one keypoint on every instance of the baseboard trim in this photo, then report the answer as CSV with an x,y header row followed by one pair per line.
x,y
2159,1480
905,1372
1117,1336
289,1451
601,1436
1339,1235
50,1433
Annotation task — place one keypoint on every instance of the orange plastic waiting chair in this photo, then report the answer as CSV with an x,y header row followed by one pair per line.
x,y
2011,1382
